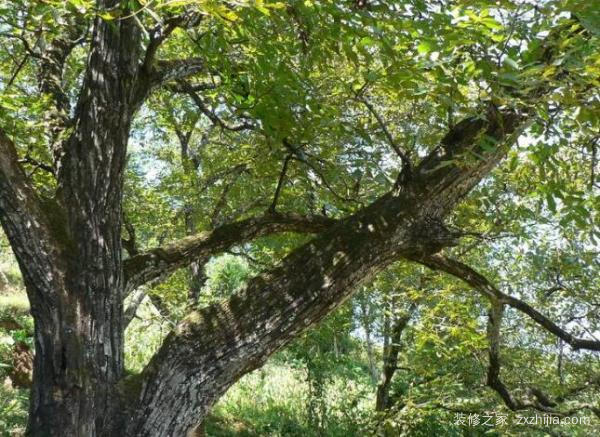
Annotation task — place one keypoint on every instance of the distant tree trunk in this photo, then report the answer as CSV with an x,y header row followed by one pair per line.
x,y
383,401
3,282
190,166
197,274
366,322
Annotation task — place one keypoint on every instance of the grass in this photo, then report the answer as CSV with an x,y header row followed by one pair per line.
x,y
13,411
272,401
14,303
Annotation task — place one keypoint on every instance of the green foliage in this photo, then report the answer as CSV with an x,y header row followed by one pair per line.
x,y
272,401
226,275
144,336
13,411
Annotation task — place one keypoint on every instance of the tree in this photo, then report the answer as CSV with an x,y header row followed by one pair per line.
x,y
267,77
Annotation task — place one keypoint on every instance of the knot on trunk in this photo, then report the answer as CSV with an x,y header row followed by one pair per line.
x,y
430,235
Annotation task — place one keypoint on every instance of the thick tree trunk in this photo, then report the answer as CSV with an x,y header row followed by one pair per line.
x,y
71,283
74,275
79,329
78,358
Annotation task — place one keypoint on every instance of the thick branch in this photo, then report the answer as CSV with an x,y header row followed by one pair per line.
x,y
466,153
175,69
25,221
52,64
160,262
214,346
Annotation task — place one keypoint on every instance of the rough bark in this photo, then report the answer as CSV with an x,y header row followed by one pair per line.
x,y
158,263
215,346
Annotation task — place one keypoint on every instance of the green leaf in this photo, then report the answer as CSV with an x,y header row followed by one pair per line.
x,y
424,47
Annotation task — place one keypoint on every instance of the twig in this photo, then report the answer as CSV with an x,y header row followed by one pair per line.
x,y
280,182
403,157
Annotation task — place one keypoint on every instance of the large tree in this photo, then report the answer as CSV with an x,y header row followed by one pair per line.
x,y
368,122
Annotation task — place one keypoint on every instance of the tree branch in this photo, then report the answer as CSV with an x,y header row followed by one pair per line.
x,y
214,218
52,64
280,183
174,69
162,31
542,401
403,156
214,118
493,376
130,245
300,156
225,340
37,164
131,311
484,286
158,263
25,221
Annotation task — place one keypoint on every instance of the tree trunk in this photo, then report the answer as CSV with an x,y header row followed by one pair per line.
x,y
197,275
390,363
73,281
78,358
365,317
71,257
